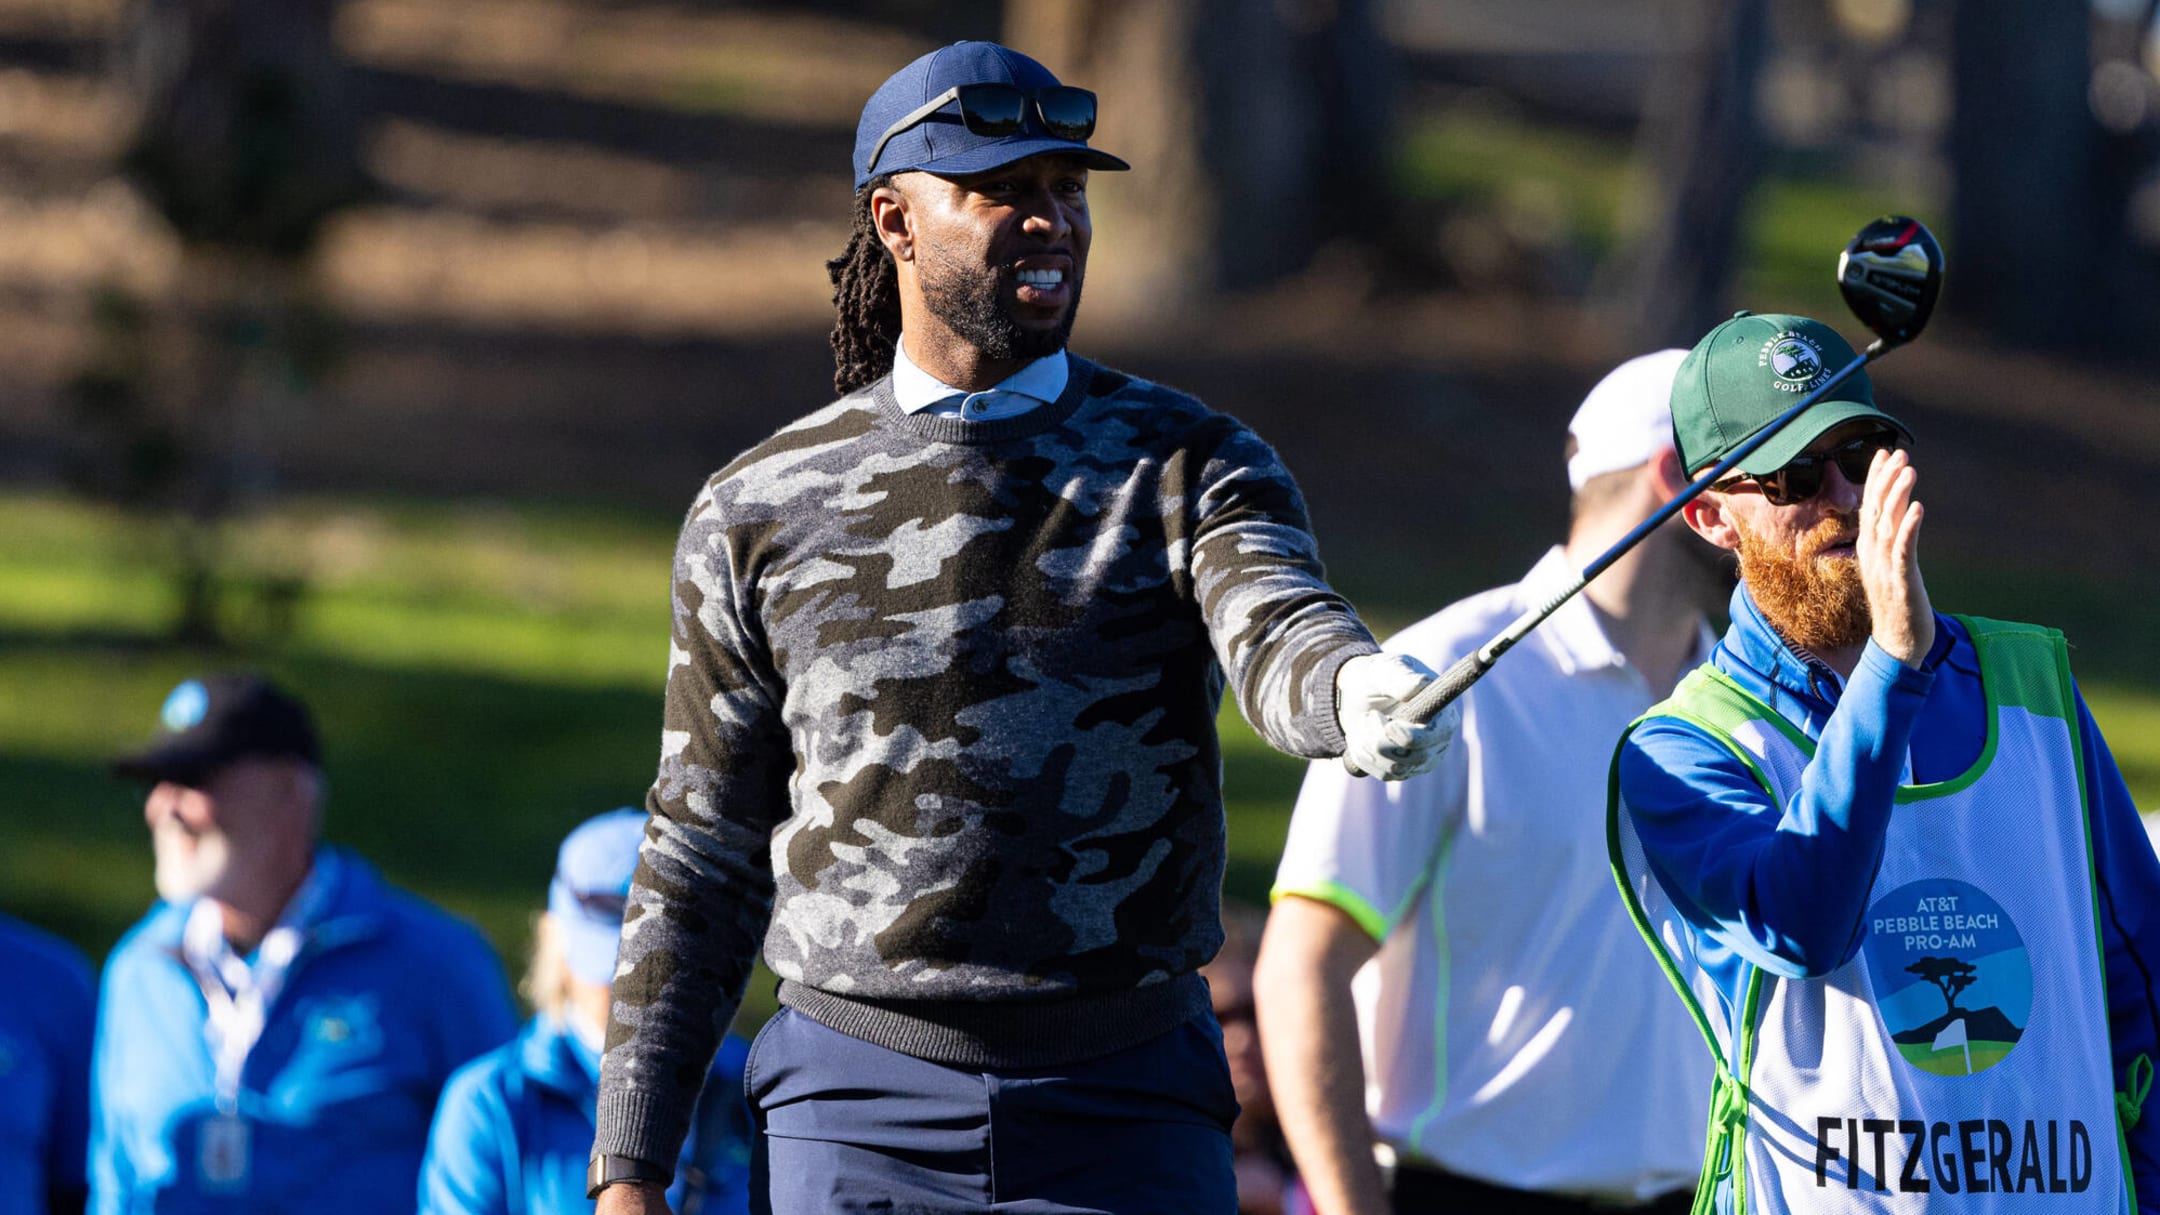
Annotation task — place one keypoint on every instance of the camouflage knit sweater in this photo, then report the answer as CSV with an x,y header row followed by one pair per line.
x,y
940,730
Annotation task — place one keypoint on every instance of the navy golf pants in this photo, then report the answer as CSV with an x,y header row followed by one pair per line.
x,y
847,1126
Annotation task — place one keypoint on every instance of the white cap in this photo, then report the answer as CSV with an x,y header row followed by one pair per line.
x,y
1627,419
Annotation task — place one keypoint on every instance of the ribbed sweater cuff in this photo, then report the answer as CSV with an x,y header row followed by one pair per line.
x,y
641,1126
1324,696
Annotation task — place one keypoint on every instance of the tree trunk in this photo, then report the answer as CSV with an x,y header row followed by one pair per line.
x,y
1257,129
2029,239
244,128
245,136
1153,225
1699,143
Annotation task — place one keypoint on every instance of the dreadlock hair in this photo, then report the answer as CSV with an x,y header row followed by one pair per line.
x,y
866,291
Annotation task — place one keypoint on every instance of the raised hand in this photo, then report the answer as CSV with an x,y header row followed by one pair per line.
x,y
1889,552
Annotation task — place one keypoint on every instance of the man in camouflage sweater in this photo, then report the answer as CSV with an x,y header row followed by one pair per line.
x,y
940,718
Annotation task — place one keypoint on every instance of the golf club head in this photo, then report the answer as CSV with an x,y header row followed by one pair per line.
x,y
1890,275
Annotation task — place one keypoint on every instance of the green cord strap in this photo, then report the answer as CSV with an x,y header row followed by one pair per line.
x,y
2131,1105
1728,1119
1729,1101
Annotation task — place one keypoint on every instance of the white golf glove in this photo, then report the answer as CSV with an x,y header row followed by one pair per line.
x,y
1369,689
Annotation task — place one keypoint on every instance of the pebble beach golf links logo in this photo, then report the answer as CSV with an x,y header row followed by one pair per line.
x,y
1952,979
1793,359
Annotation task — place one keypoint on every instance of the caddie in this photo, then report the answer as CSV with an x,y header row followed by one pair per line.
x,y
940,718
1885,853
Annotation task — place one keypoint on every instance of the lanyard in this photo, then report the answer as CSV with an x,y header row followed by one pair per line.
x,y
239,994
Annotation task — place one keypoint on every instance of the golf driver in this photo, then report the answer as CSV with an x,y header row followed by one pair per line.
x,y
1889,275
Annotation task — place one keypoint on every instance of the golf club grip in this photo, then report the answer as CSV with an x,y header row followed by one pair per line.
x,y
1445,688
1436,695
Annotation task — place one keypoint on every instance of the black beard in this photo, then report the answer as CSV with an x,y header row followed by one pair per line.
x,y
974,307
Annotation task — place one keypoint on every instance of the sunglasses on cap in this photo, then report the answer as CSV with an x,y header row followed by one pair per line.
x,y
1802,476
994,110
601,905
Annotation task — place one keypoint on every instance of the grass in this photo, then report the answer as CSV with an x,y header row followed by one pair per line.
x,y
486,678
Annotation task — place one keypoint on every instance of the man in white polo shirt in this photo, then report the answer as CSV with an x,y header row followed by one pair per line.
x,y
1507,1048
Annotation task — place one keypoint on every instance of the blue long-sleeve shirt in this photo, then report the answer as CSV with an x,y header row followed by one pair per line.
x,y
1786,888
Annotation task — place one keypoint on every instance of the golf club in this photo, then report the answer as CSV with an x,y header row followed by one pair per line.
x,y
1889,274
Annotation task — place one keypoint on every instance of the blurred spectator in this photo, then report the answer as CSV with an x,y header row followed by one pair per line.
x,y
515,1125
1517,1055
274,1034
44,1072
1267,1184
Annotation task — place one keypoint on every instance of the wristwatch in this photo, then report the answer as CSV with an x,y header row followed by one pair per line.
x,y
604,1171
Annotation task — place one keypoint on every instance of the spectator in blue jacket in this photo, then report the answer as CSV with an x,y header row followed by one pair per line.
x,y
272,1037
44,1072
1886,853
516,1125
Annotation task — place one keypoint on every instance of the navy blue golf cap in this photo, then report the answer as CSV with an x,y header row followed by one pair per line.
x,y
213,720
941,143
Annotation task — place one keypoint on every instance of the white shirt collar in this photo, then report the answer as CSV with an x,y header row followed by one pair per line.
x,y
202,937
915,390
1578,641
238,992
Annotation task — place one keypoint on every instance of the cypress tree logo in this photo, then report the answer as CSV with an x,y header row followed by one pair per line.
x,y
1953,981
1794,359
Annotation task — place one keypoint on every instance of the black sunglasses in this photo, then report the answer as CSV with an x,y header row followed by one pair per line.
x,y
1802,476
1001,109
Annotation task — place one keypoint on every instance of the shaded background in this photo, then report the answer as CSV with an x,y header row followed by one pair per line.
x,y
380,343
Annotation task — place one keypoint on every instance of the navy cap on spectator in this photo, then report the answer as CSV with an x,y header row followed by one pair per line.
x,y
213,720
941,142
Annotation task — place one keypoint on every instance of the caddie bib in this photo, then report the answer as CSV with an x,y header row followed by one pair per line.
x,y
1961,1060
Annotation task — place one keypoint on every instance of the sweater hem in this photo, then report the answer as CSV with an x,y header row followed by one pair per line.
x,y
1007,1035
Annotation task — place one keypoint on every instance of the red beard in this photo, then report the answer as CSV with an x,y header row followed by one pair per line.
x,y
1814,602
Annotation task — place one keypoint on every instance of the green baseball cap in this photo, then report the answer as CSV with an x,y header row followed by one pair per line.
x,y
1749,370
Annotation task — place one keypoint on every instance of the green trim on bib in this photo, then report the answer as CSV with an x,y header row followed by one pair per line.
x,y
1716,697
1636,914
2129,1101
2018,685
2006,683
1725,1139
1719,705
1736,1128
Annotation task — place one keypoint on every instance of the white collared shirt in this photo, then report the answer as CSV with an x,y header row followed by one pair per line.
x,y
238,991
1514,1028
917,391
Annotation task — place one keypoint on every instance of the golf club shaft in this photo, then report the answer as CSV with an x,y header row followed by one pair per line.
x,y
1457,679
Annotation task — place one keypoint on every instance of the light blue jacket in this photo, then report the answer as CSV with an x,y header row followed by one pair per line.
x,y
44,1068
515,1129
387,997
